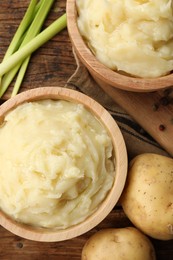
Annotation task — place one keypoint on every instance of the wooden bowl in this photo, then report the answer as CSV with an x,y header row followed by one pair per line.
x,y
102,74
56,93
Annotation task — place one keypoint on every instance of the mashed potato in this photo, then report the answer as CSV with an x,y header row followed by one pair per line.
x,y
56,163
135,37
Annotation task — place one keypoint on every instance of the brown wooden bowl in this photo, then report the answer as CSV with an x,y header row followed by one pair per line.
x,y
56,93
101,73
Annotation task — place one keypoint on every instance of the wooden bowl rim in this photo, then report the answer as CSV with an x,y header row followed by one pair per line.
x,y
102,72
56,93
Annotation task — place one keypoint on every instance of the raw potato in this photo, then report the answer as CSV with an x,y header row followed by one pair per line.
x,y
147,198
115,244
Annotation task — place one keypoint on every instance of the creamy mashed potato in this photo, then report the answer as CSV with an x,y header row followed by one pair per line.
x,y
135,37
56,163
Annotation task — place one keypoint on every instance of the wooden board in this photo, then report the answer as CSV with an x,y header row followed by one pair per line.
x,y
153,111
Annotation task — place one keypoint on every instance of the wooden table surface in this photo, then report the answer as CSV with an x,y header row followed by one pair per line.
x,y
52,65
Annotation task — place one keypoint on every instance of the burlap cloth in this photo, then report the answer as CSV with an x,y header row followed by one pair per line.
x,y
136,139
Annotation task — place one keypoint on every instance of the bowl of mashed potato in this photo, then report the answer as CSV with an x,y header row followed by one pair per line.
x,y
63,164
125,44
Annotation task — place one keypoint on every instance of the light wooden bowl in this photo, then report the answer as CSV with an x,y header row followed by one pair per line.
x,y
56,93
101,73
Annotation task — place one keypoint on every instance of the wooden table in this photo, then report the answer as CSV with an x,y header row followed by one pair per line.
x,y
52,65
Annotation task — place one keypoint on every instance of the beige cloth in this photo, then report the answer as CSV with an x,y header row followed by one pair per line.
x,y
136,139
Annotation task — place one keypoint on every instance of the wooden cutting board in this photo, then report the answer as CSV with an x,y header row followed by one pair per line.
x,y
153,111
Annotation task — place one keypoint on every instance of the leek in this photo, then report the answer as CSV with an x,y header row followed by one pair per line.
x,y
33,30
34,44
26,21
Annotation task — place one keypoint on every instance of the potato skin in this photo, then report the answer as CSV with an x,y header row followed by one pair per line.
x,y
118,243
147,198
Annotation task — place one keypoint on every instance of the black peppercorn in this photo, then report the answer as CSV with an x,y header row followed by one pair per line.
x,y
164,101
161,127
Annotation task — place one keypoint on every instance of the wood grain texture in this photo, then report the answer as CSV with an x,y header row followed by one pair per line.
x,y
141,106
52,64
